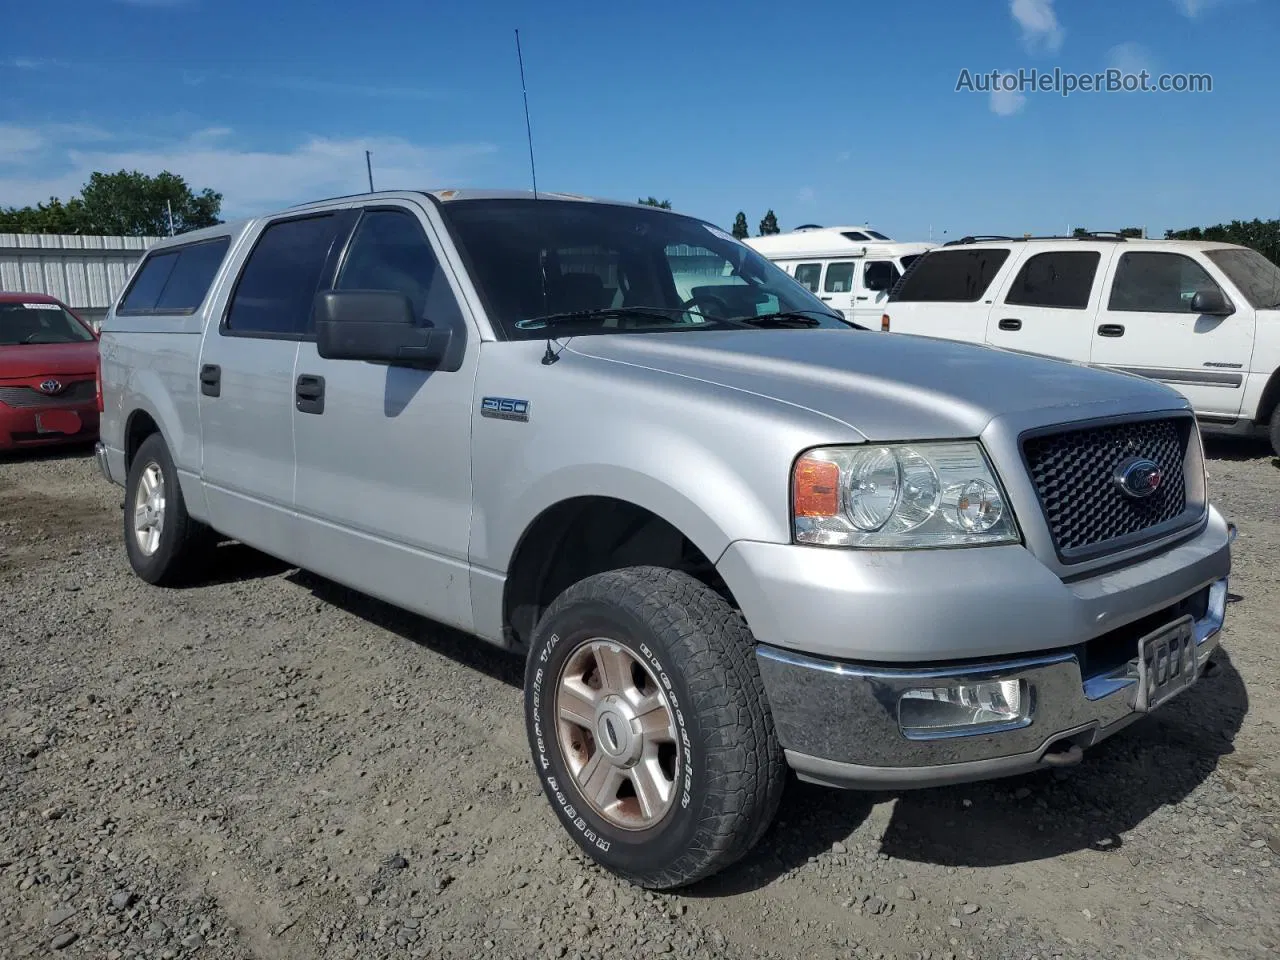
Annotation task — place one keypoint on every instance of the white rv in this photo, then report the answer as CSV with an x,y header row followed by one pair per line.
x,y
852,268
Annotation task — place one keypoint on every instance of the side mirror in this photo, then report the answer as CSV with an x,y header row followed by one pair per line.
x,y
1211,303
377,326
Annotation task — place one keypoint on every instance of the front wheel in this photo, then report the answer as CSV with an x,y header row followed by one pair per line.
x,y
649,726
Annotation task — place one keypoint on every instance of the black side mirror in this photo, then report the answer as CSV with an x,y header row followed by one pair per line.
x,y
1211,303
378,326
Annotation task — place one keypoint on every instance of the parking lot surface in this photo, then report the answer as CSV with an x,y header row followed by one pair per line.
x,y
268,765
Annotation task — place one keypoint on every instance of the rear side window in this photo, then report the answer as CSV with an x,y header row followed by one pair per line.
x,y
961,276
809,274
1061,279
839,278
278,284
175,280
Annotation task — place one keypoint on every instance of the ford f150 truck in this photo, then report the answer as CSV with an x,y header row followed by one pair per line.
x,y
731,533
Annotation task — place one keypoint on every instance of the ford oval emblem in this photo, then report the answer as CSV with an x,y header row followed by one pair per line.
x,y
50,387
1138,477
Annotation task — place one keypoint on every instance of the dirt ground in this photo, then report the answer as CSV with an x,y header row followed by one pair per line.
x,y
268,765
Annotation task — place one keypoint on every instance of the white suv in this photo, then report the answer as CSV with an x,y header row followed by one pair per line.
x,y
1203,317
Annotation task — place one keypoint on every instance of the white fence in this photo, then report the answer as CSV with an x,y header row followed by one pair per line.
x,y
86,273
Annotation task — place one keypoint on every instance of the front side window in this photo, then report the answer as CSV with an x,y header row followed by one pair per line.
x,y
880,275
390,251
839,278
23,324
953,276
618,269
279,281
1062,279
808,275
1257,278
1157,283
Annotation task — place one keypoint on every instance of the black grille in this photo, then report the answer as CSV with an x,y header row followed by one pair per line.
x,y
1074,473
82,391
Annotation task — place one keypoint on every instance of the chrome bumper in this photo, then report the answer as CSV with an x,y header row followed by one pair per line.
x,y
838,722
104,466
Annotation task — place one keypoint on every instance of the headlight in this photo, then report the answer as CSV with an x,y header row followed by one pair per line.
x,y
899,496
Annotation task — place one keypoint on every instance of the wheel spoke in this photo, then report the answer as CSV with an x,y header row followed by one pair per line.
x,y
651,786
577,703
600,780
141,517
615,669
654,719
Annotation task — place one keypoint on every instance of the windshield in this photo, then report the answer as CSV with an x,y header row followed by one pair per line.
x,y
531,259
1256,276
30,323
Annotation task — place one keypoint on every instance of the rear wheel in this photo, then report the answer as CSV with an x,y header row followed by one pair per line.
x,y
1275,431
165,545
649,726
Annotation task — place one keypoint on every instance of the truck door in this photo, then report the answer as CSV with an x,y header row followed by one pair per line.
x,y
1146,327
877,279
837,286
383,490
246,382
1049,306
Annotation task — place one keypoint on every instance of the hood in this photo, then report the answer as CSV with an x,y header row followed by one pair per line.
x,y
48,359
887,386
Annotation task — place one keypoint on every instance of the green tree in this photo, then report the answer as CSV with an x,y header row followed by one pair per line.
x,y
126,203
655,202
1079,232
769,224
1261,235
1135,232
740,228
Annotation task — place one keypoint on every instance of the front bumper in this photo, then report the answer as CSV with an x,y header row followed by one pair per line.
x,y
21,427
839,722
842,634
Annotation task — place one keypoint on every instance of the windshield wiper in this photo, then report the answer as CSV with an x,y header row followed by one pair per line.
x,y
608,313
798,318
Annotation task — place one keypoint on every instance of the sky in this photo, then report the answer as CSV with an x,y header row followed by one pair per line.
x,y
830,113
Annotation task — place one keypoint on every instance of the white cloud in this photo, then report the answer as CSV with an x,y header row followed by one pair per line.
x,y
1130,57
1039,23
806,195
844,155
1006,103
250,180
18,142
1193,8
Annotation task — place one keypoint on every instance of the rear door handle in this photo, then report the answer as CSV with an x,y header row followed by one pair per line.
x,y
827,299
1111,330
211,380
1010,323
309,393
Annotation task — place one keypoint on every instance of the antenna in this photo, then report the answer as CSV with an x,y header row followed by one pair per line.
x,y
169,206
528,129
368,165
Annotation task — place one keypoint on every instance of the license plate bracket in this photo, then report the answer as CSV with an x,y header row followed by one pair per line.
x,y
1166,664
65,422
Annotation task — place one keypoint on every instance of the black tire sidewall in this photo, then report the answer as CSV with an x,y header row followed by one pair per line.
x,y
636,854
156,567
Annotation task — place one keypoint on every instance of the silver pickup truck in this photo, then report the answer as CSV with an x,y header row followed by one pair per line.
x,y
730,533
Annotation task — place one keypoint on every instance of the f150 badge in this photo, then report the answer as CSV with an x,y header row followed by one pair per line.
x,y
505,408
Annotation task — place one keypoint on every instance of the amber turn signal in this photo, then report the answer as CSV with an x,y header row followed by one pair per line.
x,y
815,488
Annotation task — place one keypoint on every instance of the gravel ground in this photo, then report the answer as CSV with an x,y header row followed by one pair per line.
x,y
268,765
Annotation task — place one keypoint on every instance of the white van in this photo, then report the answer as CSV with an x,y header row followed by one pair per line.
x,y
851,268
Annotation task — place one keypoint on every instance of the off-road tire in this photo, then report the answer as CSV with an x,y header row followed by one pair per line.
x,y
185,543
733,770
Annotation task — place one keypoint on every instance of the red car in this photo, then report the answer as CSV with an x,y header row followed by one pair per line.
x,y
49,391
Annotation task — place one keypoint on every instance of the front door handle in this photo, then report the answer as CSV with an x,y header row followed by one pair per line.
x,y
1010,323
211,380
827,299
1111,330
860,298
309,393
